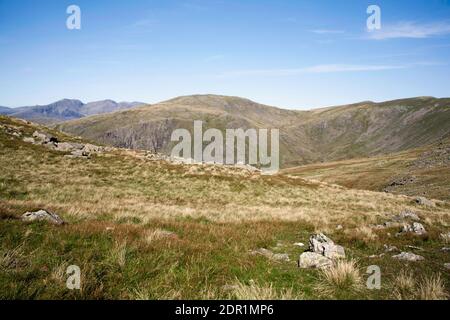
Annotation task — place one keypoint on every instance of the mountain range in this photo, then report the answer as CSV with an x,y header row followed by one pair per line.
x,y
328,134
66,109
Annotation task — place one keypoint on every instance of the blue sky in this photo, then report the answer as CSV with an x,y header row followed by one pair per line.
x,y
293,54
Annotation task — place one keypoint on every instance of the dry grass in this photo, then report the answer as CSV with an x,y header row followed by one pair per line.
x,y
428,287
253,291
342,276
157,234
404,285
118,253
432,288
12,258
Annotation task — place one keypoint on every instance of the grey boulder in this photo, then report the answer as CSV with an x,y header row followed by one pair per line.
x,y
314,260
42,215
321,244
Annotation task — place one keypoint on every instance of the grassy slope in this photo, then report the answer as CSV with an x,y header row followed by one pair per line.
x,y
114,203
377,173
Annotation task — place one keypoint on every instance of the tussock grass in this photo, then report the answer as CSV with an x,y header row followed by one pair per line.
x,y
426,287
253,291
342,277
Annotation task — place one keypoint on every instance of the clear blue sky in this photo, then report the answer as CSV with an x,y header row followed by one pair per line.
x,y
292,54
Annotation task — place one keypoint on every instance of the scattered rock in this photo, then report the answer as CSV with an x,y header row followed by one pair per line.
x,y
90,148
42,215
424,202
416,228
376,256
401,181
29,140
281,257
43,138
405,215
314,260
68,146
321,244
447,266
389,248
408,256
445,249
339,227
299,244
80,154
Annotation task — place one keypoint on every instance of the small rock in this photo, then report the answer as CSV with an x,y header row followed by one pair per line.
x,y
281,257
408,256
416,228
339,227
68,146
43,137
299,244
80,153
376,256
388,248
407,214
447,266
424,202
445,249
42,215
90,148
314,260
320,243
28,140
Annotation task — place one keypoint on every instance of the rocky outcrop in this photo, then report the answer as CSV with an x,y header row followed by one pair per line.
x,y
321,244
42,215
322,252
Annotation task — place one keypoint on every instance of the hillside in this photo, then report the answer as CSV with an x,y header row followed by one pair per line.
x,y
322,135
66,109
144,228
422,171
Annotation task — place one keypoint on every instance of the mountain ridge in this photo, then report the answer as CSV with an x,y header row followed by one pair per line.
x,y
328,134
65,109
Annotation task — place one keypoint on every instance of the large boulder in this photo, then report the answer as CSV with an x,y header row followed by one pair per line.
x,y
44,138
321,244
314,260
42,215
